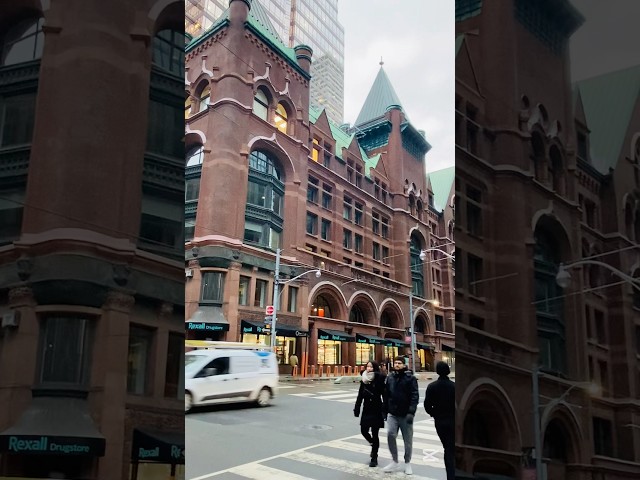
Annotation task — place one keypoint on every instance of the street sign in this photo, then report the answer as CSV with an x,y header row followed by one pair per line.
x,y
269,310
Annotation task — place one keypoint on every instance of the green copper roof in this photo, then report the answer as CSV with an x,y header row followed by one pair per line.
x,y
381,96
259,22
608,102
441,182
343,139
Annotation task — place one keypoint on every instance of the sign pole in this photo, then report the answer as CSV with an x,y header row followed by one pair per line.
x,y
276,287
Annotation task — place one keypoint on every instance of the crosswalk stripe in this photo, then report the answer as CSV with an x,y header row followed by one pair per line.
x,y
383,452
302,394
337,396
286,386
344,466
262,472
328,392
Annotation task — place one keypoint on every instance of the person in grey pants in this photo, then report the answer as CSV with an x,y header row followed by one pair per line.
x,y
400,402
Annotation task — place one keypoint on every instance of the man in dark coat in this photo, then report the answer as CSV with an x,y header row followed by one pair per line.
x,y
370,398
440,403
400,403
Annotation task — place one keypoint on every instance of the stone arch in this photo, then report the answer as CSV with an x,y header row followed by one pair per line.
x,y
420,314
422,322
333,295
538,153
548,221
267,88
193,137
290,109
391,315
367,305
487,400
271,145
166,14
558,420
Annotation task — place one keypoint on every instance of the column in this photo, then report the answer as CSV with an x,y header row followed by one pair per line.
x,y
110,361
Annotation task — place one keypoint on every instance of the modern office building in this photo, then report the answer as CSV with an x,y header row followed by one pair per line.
x,y
547,175
91,212
267,171
309,22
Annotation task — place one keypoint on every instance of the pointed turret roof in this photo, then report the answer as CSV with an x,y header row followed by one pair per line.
x,y
381,96
608,102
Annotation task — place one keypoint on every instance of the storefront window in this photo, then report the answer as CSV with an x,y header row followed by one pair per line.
x,y
285,347
390,353
260,299
329,352
139,350
364,353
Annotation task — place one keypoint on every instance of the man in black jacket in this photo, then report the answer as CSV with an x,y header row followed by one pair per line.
x,y
400,403
440,403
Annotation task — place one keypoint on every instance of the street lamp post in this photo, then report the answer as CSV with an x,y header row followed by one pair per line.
x,y
276,294
423,257
563,278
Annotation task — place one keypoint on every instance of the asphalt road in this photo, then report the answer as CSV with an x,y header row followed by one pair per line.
x,y
309,432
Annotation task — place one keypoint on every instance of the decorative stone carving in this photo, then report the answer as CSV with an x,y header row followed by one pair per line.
x,y
24,266
118,300
121,274
22,295
165,309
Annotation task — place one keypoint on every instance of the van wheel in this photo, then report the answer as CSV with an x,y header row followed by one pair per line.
x,y
264,397
188,402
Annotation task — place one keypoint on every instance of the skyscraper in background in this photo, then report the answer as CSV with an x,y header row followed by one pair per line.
x,y
311,22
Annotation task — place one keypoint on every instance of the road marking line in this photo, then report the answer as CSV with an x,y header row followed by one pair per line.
x,y
262,472
302,394
344,466
337,396
384,452
328,392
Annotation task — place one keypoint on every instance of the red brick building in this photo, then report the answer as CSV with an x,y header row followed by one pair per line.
x,y
91,198
546,174
264,171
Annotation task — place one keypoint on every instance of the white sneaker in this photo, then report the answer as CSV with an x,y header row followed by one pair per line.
x,y
407,469
392,467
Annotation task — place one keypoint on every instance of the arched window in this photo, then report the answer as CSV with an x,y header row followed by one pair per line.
x,y
265,194
168,51
205,96
628,220
386,320
195,156
549,303
412,205
261,104
356,315
23,42
538,156
417,275
419,209
555,442
321,307
280,118
187,106
557,170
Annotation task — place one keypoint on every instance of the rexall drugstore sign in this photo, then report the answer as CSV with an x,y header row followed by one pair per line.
x,y
48,445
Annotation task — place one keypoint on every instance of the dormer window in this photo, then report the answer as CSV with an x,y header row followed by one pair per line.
x,y
205,96
260,104
23,42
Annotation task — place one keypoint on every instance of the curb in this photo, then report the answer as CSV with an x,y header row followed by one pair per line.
x,y
346,379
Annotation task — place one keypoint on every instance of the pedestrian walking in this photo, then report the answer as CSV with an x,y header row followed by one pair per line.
x,y
400,402
370,399
440,403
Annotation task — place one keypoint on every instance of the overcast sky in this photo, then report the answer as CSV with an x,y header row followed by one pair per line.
x,y
607,40
415,39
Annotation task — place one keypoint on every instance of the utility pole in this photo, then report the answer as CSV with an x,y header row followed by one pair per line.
x,y
276,300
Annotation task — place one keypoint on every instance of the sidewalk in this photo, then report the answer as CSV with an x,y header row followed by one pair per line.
x,y
421,376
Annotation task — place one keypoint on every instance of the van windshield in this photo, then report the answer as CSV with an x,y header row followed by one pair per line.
x,y
191,362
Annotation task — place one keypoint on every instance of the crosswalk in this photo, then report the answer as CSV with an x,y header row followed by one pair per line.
x,y
345,458
342,396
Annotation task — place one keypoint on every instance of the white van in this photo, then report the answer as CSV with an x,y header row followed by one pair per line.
x,y
223,375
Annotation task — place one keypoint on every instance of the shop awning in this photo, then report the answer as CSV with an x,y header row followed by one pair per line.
x,y
54,426
392,342
326,334
425,346
282,329
207,318
447,348
157,446
372,339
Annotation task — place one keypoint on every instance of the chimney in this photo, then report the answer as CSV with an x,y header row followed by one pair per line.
x,y
239,11
303,55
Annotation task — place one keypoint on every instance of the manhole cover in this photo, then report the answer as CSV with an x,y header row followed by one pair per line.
x,y
316,427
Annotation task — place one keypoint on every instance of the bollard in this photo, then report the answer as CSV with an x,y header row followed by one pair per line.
x,y
320,370
343,370
313,370
295,371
